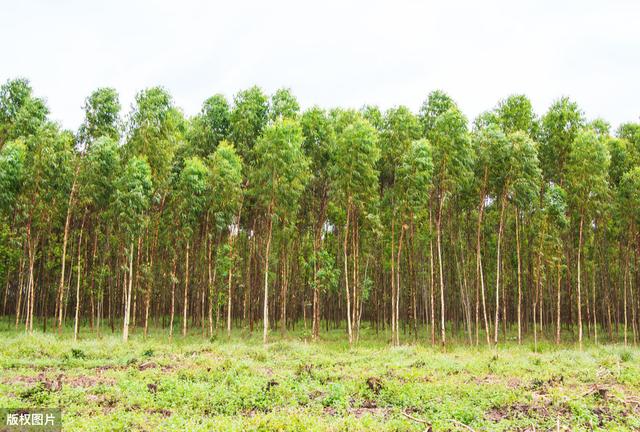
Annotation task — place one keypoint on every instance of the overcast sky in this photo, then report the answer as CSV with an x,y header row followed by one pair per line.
x,y
330,53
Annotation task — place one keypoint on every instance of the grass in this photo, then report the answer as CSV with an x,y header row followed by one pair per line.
x,y
196,384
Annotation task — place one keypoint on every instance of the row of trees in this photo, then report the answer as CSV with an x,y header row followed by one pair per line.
x,y
255,212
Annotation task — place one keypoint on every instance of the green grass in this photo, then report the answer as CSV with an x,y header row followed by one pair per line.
x,y
192,384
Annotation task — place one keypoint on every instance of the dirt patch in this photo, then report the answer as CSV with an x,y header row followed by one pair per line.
x,y
147,365
87,381
49,384
56,383
316,394
374,384
163,412
362,411
329,411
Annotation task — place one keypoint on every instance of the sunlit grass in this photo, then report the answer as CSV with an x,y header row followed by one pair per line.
x,y
293,384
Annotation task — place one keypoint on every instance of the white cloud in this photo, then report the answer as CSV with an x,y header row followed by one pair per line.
x,y
330,53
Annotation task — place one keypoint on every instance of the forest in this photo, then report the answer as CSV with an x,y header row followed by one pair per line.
x,y
257,216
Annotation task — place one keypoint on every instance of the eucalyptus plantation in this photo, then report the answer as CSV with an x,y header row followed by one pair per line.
x,y
254,213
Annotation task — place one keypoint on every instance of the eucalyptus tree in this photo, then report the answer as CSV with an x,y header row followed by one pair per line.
x,y
283,105
12,177
280,175
225,179
48,178
452,161
132,199
550,226
21,113
319,147
354,184
436,104
210,126
399,129
587,186
192,190
486,140
97,179
630,200
102,116
524,192
413,178
155,131
559,128
248,118
102,110
515,113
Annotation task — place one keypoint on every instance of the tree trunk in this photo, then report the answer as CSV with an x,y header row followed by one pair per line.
x,y
125,330
173,296
346,272
265,311
479,271
64,248
75,324
579,282
438,244
186,291
519,278
558,289
498,265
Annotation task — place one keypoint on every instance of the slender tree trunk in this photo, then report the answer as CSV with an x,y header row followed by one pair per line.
x,y
346,272
432,288
579,282
173,296
397,299
438,245
519,278
479,271
498,265
265,311
64,248
558,314
125,330
75,324
186,291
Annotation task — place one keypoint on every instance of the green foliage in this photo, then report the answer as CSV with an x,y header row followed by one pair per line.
x,y
98,174
154,131
21,114
225,179
281,168
630,195
132,196
248,117
560,126
437,103
515,113
102,116
414,177
328,272
283,105
354,174
400,129
12,172
319,140
210,126
586,171
452,156
192,191
527,175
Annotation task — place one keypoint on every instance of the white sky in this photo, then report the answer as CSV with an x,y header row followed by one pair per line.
x,y
331,53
